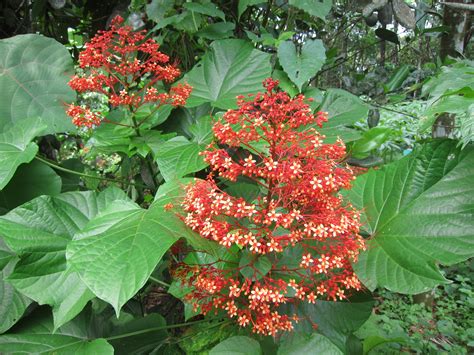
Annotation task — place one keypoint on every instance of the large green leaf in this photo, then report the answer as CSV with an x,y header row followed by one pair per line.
x,y
118,250
53,344
335,320
12,303
30,181
16,147
313,7
39,232
419,212
237,345
178,156
33,81
230,68
36,334
300,343
303,64
344,110
172,192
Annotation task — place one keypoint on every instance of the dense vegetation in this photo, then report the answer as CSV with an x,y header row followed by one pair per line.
x,y
254,177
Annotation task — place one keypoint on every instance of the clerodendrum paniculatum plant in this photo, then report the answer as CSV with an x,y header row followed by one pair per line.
x,y
300,214
129,70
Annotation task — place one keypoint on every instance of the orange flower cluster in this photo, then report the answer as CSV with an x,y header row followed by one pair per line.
x,y
126,67
299,236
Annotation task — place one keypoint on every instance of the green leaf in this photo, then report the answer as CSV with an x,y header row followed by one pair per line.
x,y
53,344
157,10
344,110
208,9
253,267
237,345
371,139
118,250
16,147
303,65
450,103
142,343
230,68
34,71
173,192
285,83
30,181
397,79
244,4
39,232
12,303
111,138
300,343
418,211
219,30
313,7
70,181
335,320
178,157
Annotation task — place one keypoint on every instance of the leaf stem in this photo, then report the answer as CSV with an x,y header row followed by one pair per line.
x,y
154,329
154,279
66,170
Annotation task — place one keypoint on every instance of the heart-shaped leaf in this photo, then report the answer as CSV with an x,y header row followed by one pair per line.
x,y
34,71
302,66
39,231
230,68
419,212
16,147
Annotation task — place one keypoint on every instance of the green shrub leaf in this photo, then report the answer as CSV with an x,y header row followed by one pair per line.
x,y
418,211
313,7
39,232
16,147
119,249
237,345
302,66
12,303
300,343
33,81
344,110
232,67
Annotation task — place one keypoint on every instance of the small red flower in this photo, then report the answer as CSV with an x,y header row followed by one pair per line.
x,y
126,67
300,209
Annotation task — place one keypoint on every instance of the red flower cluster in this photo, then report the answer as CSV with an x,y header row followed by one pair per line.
x,y
299,224
124,66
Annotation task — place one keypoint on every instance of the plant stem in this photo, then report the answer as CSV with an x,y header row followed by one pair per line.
x,y
136,127
66,170
148,330
159,282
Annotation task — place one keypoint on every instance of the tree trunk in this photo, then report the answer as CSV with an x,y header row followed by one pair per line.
x,y
459,21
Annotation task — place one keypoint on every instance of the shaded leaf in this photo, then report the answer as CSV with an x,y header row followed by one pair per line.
x,y
30,180
313,7
237,345
34,71
16,147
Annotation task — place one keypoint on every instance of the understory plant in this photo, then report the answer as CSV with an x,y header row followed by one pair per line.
x,y
298,214
160,204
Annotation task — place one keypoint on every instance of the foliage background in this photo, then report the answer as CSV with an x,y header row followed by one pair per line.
x,y
397,81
